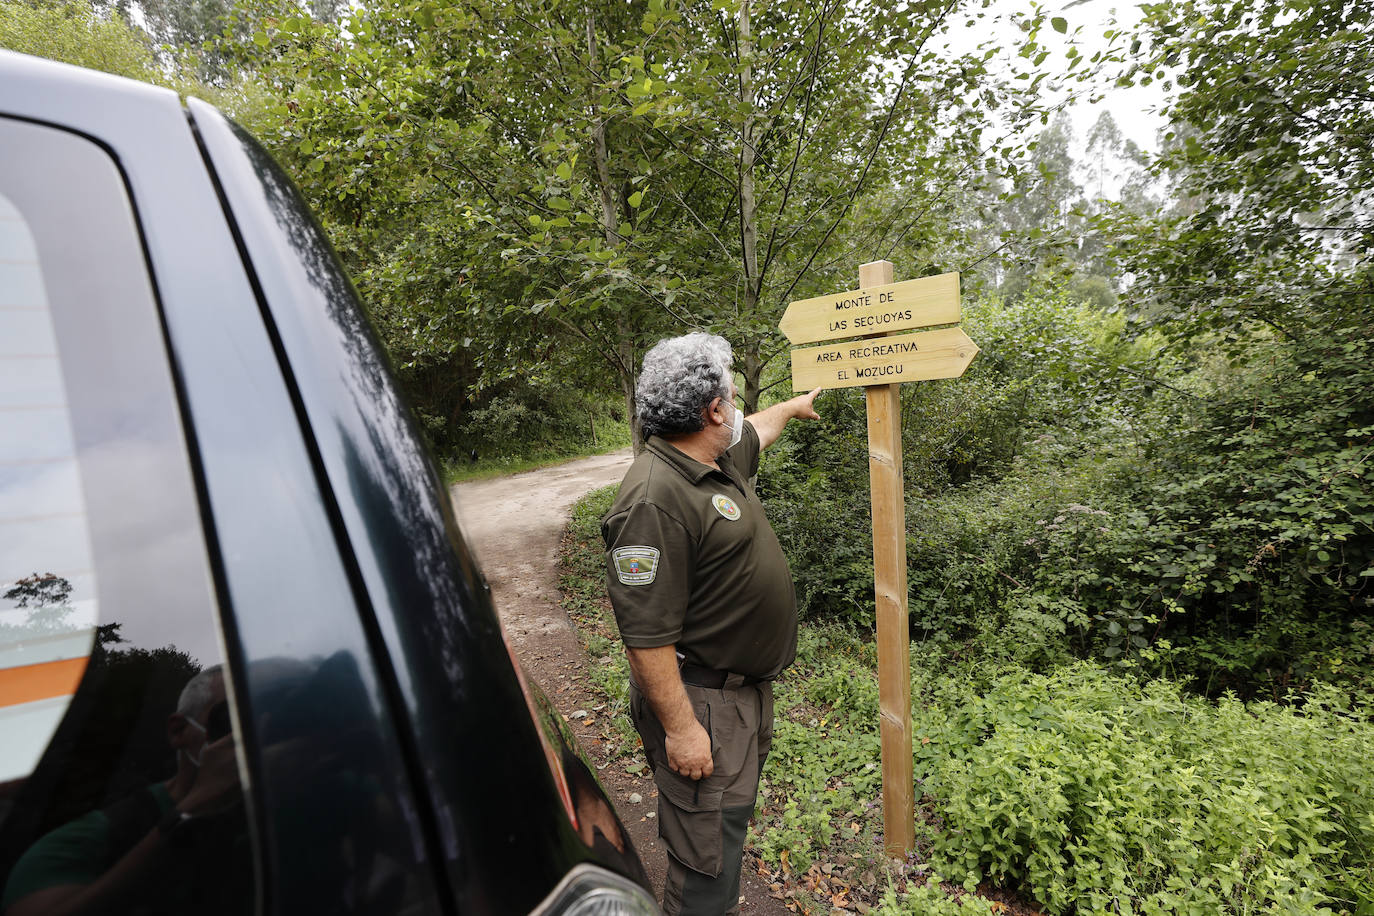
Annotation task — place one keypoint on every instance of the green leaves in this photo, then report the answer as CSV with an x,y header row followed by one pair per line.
x,y
1097,793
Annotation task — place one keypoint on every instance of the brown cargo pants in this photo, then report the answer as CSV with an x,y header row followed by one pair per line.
x,y
703,823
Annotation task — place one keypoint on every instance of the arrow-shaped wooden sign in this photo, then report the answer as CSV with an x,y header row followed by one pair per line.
x,y
945,353
919,303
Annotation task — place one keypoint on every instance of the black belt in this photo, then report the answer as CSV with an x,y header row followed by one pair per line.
x,y
698,676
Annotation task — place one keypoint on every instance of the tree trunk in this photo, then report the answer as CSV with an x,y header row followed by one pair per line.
x,y
751,367
627,388
610,226
748,208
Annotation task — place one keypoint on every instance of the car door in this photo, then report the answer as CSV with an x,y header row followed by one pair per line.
x,y
110,645
134,322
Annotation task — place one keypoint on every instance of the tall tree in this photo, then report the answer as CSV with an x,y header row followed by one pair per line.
x,y
74,33
547,186
1041,210
810,142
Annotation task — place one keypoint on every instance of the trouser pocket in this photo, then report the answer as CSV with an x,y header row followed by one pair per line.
x,y
689,893
693,838
689,810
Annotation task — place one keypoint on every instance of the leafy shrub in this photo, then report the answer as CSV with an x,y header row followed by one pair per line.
x,y
930,899
824,772
1049,376
1261,521
536,419
76,33
1099,794
1078,495
1235,546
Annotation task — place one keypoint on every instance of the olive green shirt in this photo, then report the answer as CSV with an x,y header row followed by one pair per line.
x,y
691,561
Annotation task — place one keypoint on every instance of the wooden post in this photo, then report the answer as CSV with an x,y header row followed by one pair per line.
x,y
890,590
884,307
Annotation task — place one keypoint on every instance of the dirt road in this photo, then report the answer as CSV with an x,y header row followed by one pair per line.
x,y
514,525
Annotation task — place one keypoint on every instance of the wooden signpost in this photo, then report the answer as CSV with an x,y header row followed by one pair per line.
x,y
881,364
879,309
917,357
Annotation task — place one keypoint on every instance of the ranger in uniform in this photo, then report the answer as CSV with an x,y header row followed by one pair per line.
x,y
705,605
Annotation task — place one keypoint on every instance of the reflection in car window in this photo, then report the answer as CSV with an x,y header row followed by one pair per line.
x,y
125,794
47,597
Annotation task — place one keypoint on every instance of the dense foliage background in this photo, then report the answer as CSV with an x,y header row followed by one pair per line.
x,y
1140,528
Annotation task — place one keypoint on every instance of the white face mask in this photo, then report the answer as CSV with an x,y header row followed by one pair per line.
x,y
195,758
737,430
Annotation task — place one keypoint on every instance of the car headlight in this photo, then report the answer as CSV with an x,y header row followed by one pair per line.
x,y
591,891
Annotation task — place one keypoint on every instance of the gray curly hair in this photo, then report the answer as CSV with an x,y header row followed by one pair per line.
x,y
198,692
679,378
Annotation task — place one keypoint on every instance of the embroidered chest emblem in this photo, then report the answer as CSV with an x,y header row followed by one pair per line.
x,y
726,506
635,565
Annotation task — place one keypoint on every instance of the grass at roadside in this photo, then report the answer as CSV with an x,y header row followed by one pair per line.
x,y
582,582
1081,788
458,471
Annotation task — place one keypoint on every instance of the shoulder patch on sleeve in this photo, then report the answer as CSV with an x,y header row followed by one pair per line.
x,y
635,565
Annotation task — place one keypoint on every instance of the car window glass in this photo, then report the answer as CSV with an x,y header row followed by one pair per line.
x,y
47,595
120,769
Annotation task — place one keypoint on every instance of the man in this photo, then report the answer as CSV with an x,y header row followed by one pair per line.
x,y
705,605
150,851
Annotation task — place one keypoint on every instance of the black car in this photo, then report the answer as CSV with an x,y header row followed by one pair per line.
x,y
246,662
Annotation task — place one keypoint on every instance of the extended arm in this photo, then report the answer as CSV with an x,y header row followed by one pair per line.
x,y
688,744
769,423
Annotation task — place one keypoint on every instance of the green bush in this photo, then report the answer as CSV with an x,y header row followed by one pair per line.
x,y
1075,494
1235,545
522,425
930,899
1049,378
76,34
824,772
1096,794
